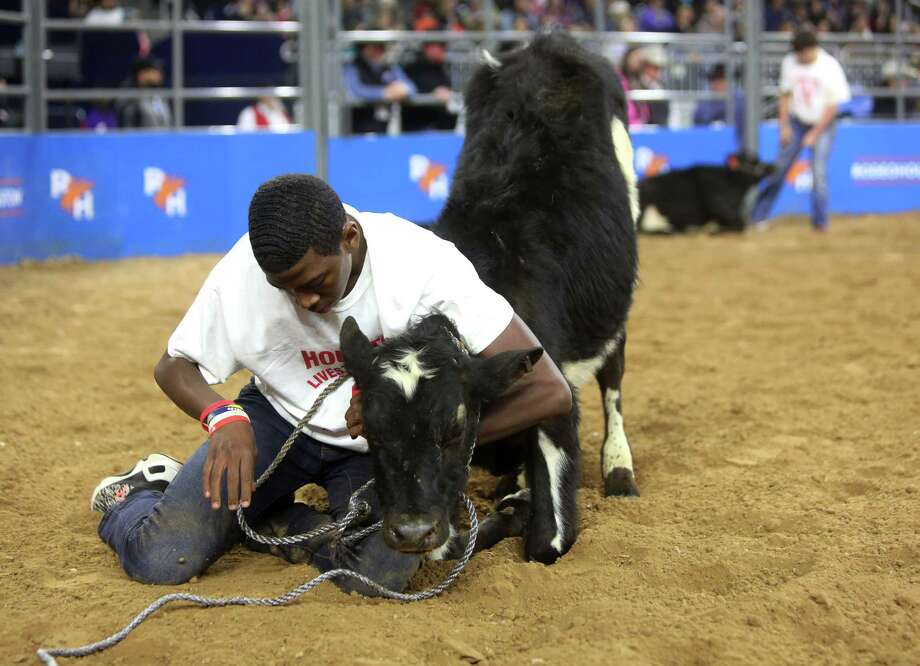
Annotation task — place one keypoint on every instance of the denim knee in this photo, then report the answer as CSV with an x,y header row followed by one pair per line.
x,y
165,563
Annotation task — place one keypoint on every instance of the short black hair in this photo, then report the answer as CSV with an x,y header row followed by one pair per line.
x,y
804,39
140,64
290,214
717,72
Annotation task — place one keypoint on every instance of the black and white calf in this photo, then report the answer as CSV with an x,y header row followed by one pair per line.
x,y
686,198
542,203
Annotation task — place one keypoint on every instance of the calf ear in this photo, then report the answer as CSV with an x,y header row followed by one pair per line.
x,y
493,376
357,351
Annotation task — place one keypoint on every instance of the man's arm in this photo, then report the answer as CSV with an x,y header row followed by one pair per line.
x,y
785,131
826,119
231,449
539,395
535,397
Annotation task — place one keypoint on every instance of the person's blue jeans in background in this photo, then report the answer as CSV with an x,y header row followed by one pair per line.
x,y
169,537
820,155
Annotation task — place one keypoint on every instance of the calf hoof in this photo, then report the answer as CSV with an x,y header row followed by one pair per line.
x,y
515,512
544,553
620,482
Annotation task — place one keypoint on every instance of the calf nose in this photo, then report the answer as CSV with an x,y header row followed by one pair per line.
x,y
413,533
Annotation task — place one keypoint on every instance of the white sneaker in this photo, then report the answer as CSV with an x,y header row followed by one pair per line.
x,y
154,472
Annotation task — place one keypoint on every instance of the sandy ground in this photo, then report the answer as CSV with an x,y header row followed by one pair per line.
x,y
772,400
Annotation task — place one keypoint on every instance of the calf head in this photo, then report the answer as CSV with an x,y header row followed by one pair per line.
x,y
749,167
421,396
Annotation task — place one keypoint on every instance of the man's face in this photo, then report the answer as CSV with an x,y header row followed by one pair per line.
x,y
807,56
373,53
150,77
316,283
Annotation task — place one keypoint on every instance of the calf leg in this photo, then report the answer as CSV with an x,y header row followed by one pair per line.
x,y
616,456
508,520
553,470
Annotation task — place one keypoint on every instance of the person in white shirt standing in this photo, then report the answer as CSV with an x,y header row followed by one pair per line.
x,y
274,305
812,87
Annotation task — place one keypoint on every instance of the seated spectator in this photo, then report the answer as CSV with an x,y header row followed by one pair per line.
x,y
775,14
370,78
149,112
249,10
860,25
429,74
106,12
565,13
882,18
654,17
887,107
685,18
518,14
266,113
101,117
652,61
709,111
712,18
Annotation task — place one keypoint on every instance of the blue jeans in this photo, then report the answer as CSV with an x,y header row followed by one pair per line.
x,y
820,155
168,537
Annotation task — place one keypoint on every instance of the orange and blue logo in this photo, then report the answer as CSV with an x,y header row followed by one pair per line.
x,y
167,192
431,177
649,163
12,197
75,195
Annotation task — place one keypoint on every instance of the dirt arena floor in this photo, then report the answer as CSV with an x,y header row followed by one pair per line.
x,y
772,397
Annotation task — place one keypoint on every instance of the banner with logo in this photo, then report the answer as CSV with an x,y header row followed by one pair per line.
x,y
117,195
407,175
874,168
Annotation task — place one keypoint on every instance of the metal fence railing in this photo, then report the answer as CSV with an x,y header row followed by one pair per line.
x,y
313,82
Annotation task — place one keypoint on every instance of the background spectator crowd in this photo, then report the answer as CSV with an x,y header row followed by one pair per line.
x,y
377,76
865,17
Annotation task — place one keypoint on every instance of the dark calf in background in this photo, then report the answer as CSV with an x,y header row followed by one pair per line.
x,y
682,199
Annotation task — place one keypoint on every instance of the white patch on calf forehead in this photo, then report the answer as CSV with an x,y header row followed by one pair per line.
x,y
461,413
556,462
616,451
406,371
622,146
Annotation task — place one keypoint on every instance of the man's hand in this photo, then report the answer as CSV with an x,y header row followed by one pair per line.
x,y
810,139
396,91
442,93
785,135
231,449
353,420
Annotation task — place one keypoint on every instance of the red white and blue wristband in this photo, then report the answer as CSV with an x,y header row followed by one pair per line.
x,y
221,413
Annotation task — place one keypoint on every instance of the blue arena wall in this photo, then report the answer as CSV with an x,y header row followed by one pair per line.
x,y
117,195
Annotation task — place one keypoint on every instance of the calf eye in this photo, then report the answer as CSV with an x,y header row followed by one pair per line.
x,y
456,362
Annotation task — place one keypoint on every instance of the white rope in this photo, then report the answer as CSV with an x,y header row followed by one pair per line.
x,y
357,509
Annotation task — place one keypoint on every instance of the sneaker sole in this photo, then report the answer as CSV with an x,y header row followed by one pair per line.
x,y
149,466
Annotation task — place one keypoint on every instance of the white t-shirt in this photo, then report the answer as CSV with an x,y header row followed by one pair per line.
x,y
276,117
238,320
813,87
101,16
